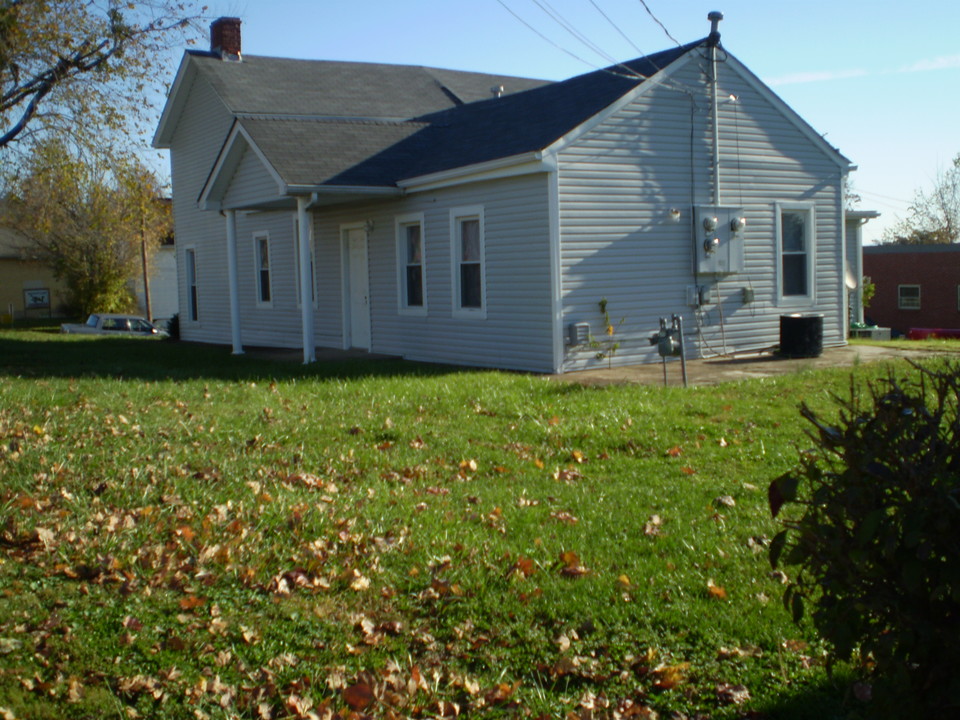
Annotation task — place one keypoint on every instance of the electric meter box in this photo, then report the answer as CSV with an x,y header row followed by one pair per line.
x,y
719,233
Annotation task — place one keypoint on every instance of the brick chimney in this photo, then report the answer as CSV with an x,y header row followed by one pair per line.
x,y
225,38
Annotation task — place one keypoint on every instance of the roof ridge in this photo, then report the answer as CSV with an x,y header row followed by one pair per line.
x,y
348,119
409,66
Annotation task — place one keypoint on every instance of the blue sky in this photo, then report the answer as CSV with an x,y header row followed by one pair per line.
x,y
880,79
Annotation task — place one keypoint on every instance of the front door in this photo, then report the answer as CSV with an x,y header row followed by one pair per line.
x,y
359,289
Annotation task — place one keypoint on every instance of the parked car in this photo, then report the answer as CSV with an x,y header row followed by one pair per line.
x,y
114,324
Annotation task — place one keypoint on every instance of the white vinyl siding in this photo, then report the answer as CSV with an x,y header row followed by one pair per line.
x,y
411,265
619,240
193,150
251,183
517,330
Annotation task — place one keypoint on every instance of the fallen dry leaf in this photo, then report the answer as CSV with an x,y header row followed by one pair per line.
x,y
668,677
716,591
359,696
728,694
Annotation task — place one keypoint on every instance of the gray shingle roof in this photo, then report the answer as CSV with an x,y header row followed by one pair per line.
x,y
362,124
332,152
267,85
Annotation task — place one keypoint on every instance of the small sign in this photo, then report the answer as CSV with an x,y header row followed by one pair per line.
x,y
36,299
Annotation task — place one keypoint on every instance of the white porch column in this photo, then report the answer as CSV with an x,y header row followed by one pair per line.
x,y
234,282
306,281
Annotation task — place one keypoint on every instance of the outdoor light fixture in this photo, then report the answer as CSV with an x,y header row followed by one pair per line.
x,y
675,214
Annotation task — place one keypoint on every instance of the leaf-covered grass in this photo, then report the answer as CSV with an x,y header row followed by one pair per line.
x,y
184,533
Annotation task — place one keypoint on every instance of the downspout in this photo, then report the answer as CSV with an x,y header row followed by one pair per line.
x,y
234,281
306,300
845,264
712,41
556,264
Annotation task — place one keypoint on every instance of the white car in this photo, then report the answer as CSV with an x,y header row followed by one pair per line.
x,y
114,324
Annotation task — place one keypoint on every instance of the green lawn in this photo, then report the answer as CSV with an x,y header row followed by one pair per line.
x,y
190,534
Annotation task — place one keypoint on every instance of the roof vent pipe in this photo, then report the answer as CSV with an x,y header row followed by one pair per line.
x,y
714,17
497,91
225,38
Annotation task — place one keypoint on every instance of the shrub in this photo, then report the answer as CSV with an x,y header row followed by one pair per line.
x,y
874,537
173,327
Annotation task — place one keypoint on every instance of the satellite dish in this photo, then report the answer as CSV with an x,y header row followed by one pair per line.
x,y
849,279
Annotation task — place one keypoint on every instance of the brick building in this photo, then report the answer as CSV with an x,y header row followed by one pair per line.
x,y
918,286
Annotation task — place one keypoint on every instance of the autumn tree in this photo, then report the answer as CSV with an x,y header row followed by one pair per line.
x,y
89,218
82,69
934,215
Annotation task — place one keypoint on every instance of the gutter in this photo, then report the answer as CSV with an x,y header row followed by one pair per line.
x,y
529,162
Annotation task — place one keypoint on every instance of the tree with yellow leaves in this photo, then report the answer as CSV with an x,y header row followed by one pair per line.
x,y
80,69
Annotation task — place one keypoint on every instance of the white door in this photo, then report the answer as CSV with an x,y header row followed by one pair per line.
x,y
359,289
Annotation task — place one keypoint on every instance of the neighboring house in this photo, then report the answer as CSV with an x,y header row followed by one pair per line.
x,y
479,220
164,293
918,286
28,289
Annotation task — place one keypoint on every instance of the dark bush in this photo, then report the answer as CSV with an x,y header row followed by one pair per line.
x,y
173,327
874,538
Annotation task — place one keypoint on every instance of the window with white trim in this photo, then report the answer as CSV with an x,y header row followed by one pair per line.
x,y
795,251
908,297
261,259
468,260
411,265
296,263
190,263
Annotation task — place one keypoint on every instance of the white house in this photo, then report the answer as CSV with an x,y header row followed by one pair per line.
x,y
479,220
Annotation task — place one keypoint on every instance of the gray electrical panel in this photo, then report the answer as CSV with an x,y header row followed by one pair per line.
x,y
718,239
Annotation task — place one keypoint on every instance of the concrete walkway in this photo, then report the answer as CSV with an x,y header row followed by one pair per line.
x,y
713,372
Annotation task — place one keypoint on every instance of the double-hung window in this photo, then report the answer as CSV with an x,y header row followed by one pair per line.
x,y
908,297
261,258
467,236
190,263
796,251
411,265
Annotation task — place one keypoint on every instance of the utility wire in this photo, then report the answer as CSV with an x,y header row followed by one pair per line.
x,y
629,73
657,20
544,37
616,27
554,15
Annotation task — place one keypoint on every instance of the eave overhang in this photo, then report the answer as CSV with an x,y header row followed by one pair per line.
x,y
522,164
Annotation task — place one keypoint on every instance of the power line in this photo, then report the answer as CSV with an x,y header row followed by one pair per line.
x,y
544,37
629,73
616,27
884,197
554,15
657,20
